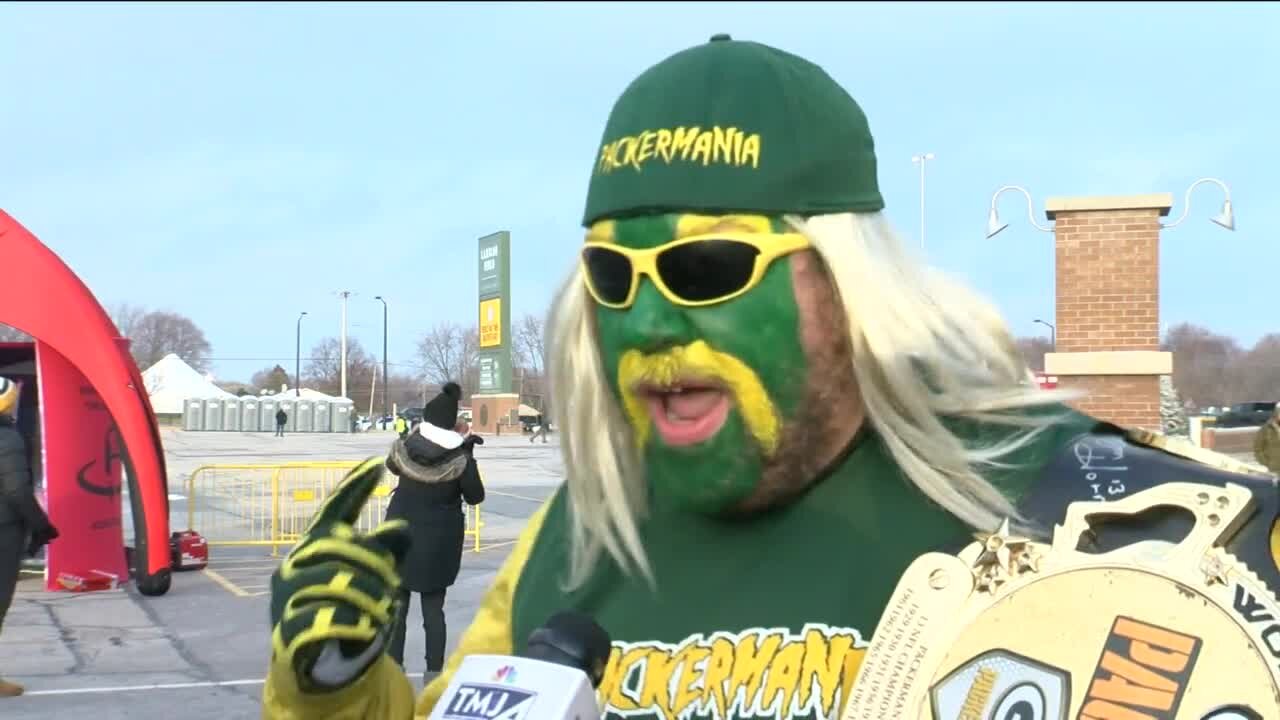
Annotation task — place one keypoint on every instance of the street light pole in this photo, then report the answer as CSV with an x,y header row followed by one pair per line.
x,y
1053,334
385,406
342,371
921,160
297,360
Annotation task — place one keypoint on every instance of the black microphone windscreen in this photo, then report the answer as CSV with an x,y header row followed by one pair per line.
x,y
573,639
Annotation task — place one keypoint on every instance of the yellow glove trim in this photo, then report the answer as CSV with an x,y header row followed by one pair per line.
x,y
320,633
339,589
382,563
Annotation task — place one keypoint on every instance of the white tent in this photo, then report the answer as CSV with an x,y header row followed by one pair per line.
x,y
171,382
304,394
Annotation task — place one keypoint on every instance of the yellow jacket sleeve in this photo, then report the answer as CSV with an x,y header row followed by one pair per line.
x,y
490,631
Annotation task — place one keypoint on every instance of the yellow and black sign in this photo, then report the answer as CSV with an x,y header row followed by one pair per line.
x,y
491,323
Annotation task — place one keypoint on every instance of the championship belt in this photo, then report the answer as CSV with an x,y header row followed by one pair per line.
x,y
1011,629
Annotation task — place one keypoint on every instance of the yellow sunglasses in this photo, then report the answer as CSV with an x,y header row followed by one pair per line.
x,y
693,271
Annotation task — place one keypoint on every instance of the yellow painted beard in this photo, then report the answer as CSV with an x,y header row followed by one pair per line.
x,y
698,360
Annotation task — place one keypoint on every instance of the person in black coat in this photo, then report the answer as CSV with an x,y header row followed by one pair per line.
x,y
24,526
437,474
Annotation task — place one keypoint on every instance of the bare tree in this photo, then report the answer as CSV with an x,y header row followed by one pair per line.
x,y
152,335
470,371
1204,364
530,357
446,351
272,379
527,342
324,364
126,318
1033,350
404,390
1256,374
323,371
156,334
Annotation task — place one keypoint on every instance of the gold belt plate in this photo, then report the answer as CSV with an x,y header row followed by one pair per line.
x,y
1011,629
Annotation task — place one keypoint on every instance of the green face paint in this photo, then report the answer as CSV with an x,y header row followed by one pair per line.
x,y
760,328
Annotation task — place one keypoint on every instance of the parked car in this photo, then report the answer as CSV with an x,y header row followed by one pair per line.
x,y
365,423
1249,414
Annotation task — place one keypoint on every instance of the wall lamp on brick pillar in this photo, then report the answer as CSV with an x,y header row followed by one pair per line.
x,y
993,218
1225,217
1107,298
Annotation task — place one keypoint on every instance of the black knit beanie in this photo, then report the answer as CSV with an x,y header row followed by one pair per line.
x,y
442,411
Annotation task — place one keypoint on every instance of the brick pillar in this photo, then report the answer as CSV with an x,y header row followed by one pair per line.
x,y
491,414
1108,299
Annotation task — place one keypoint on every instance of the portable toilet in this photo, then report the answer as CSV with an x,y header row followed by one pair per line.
x,y
231,414
193,414
213,414
249,420
267,414
305,410
286,403
340,415
322,422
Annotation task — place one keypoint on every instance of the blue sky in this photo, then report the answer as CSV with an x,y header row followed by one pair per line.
x,y
240,163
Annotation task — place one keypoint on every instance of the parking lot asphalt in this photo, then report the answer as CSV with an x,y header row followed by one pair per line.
x,y
201,650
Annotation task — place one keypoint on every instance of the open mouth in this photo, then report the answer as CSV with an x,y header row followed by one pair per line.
x,y
688,412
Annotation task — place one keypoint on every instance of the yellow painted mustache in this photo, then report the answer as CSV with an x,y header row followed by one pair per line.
x,y
698,360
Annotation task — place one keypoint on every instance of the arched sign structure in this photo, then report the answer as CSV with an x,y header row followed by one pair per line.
x,y
45,299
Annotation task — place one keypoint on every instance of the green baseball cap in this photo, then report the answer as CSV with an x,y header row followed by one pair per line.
x,y
733,126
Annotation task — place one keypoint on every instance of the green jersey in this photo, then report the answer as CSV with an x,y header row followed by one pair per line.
x,y
760,617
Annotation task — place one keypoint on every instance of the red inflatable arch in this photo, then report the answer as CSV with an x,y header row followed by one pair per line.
x,y
42,297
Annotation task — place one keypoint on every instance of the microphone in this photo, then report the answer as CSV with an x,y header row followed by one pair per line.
x,y
553,679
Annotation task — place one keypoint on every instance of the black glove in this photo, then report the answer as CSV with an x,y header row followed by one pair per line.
x,y
333,599
40,537
473,440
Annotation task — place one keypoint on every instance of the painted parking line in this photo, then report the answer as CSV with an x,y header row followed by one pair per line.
x,y
514,495
229,586
245,564
172,496
169,686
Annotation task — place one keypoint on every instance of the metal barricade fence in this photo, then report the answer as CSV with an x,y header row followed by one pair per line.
x,y
271,505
